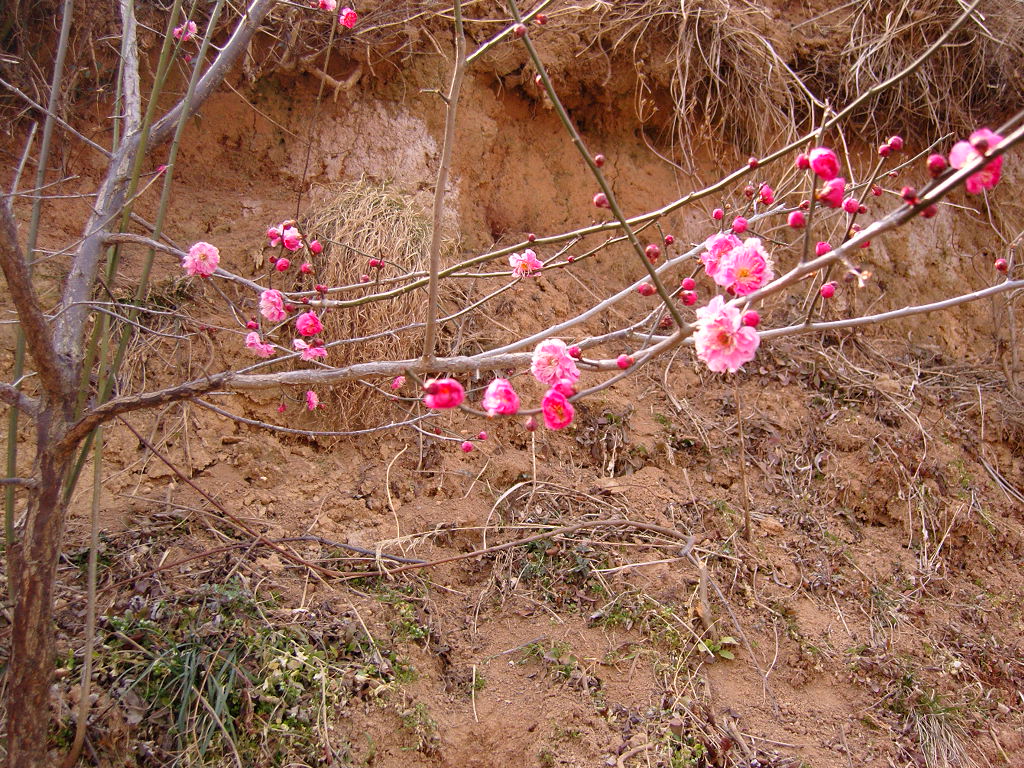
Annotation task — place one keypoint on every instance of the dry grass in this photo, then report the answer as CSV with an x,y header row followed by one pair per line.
x,y
717,61
741,71
361,220
978,76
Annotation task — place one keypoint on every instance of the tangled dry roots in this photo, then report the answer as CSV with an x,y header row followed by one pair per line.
x,y
751,74
356,222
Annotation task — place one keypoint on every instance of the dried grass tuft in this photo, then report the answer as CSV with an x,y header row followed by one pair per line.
x,y
357,221
740,71
718,62
978,75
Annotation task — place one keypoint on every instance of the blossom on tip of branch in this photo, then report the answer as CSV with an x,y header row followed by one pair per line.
x,y
443,393
721,339
524,264
201,260
500,397
186,31
558,411
258,346
272,305
348,17
552,363
309,351
965,152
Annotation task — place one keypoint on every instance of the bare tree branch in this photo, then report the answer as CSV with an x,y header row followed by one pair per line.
x,y
38,338
15,397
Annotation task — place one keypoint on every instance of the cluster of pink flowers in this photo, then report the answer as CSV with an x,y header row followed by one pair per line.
x,y
185,31
524,264
722,339
741,267
285,234
201,260
553,365
965,152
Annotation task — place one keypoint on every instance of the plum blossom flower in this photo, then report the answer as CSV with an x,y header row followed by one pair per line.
x,y
824,163
443,393
553,363
558,411
312,400
832,193
274,236
348,17
309,351
185,31
272,305
398,382
201,260
766,194
524,264
291,238
722,340
308,324
717,246
258,346
327,5
500,397
965,152
746,268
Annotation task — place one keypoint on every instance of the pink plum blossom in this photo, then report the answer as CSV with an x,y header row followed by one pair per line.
x,y
965,152
824,163
258,346
291,238
558,411
722,340
201,260
443,393
524,264
309,351
500,397
186,31
312,400
832,193
272,305
308,324
746,268
348,17
327,5
398,382
553,363
739,225
796,219
766,194
274,237
717,246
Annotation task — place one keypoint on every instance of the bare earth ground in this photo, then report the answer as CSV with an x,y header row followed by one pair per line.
x,y
875,618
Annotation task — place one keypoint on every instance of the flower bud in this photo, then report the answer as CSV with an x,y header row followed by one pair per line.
x,y
601,200
828,290
646,289
936,164
822,248
282,264
1001,265
718,214
316,248
688,284
797,220
751,319
624,361
653,252
739,225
